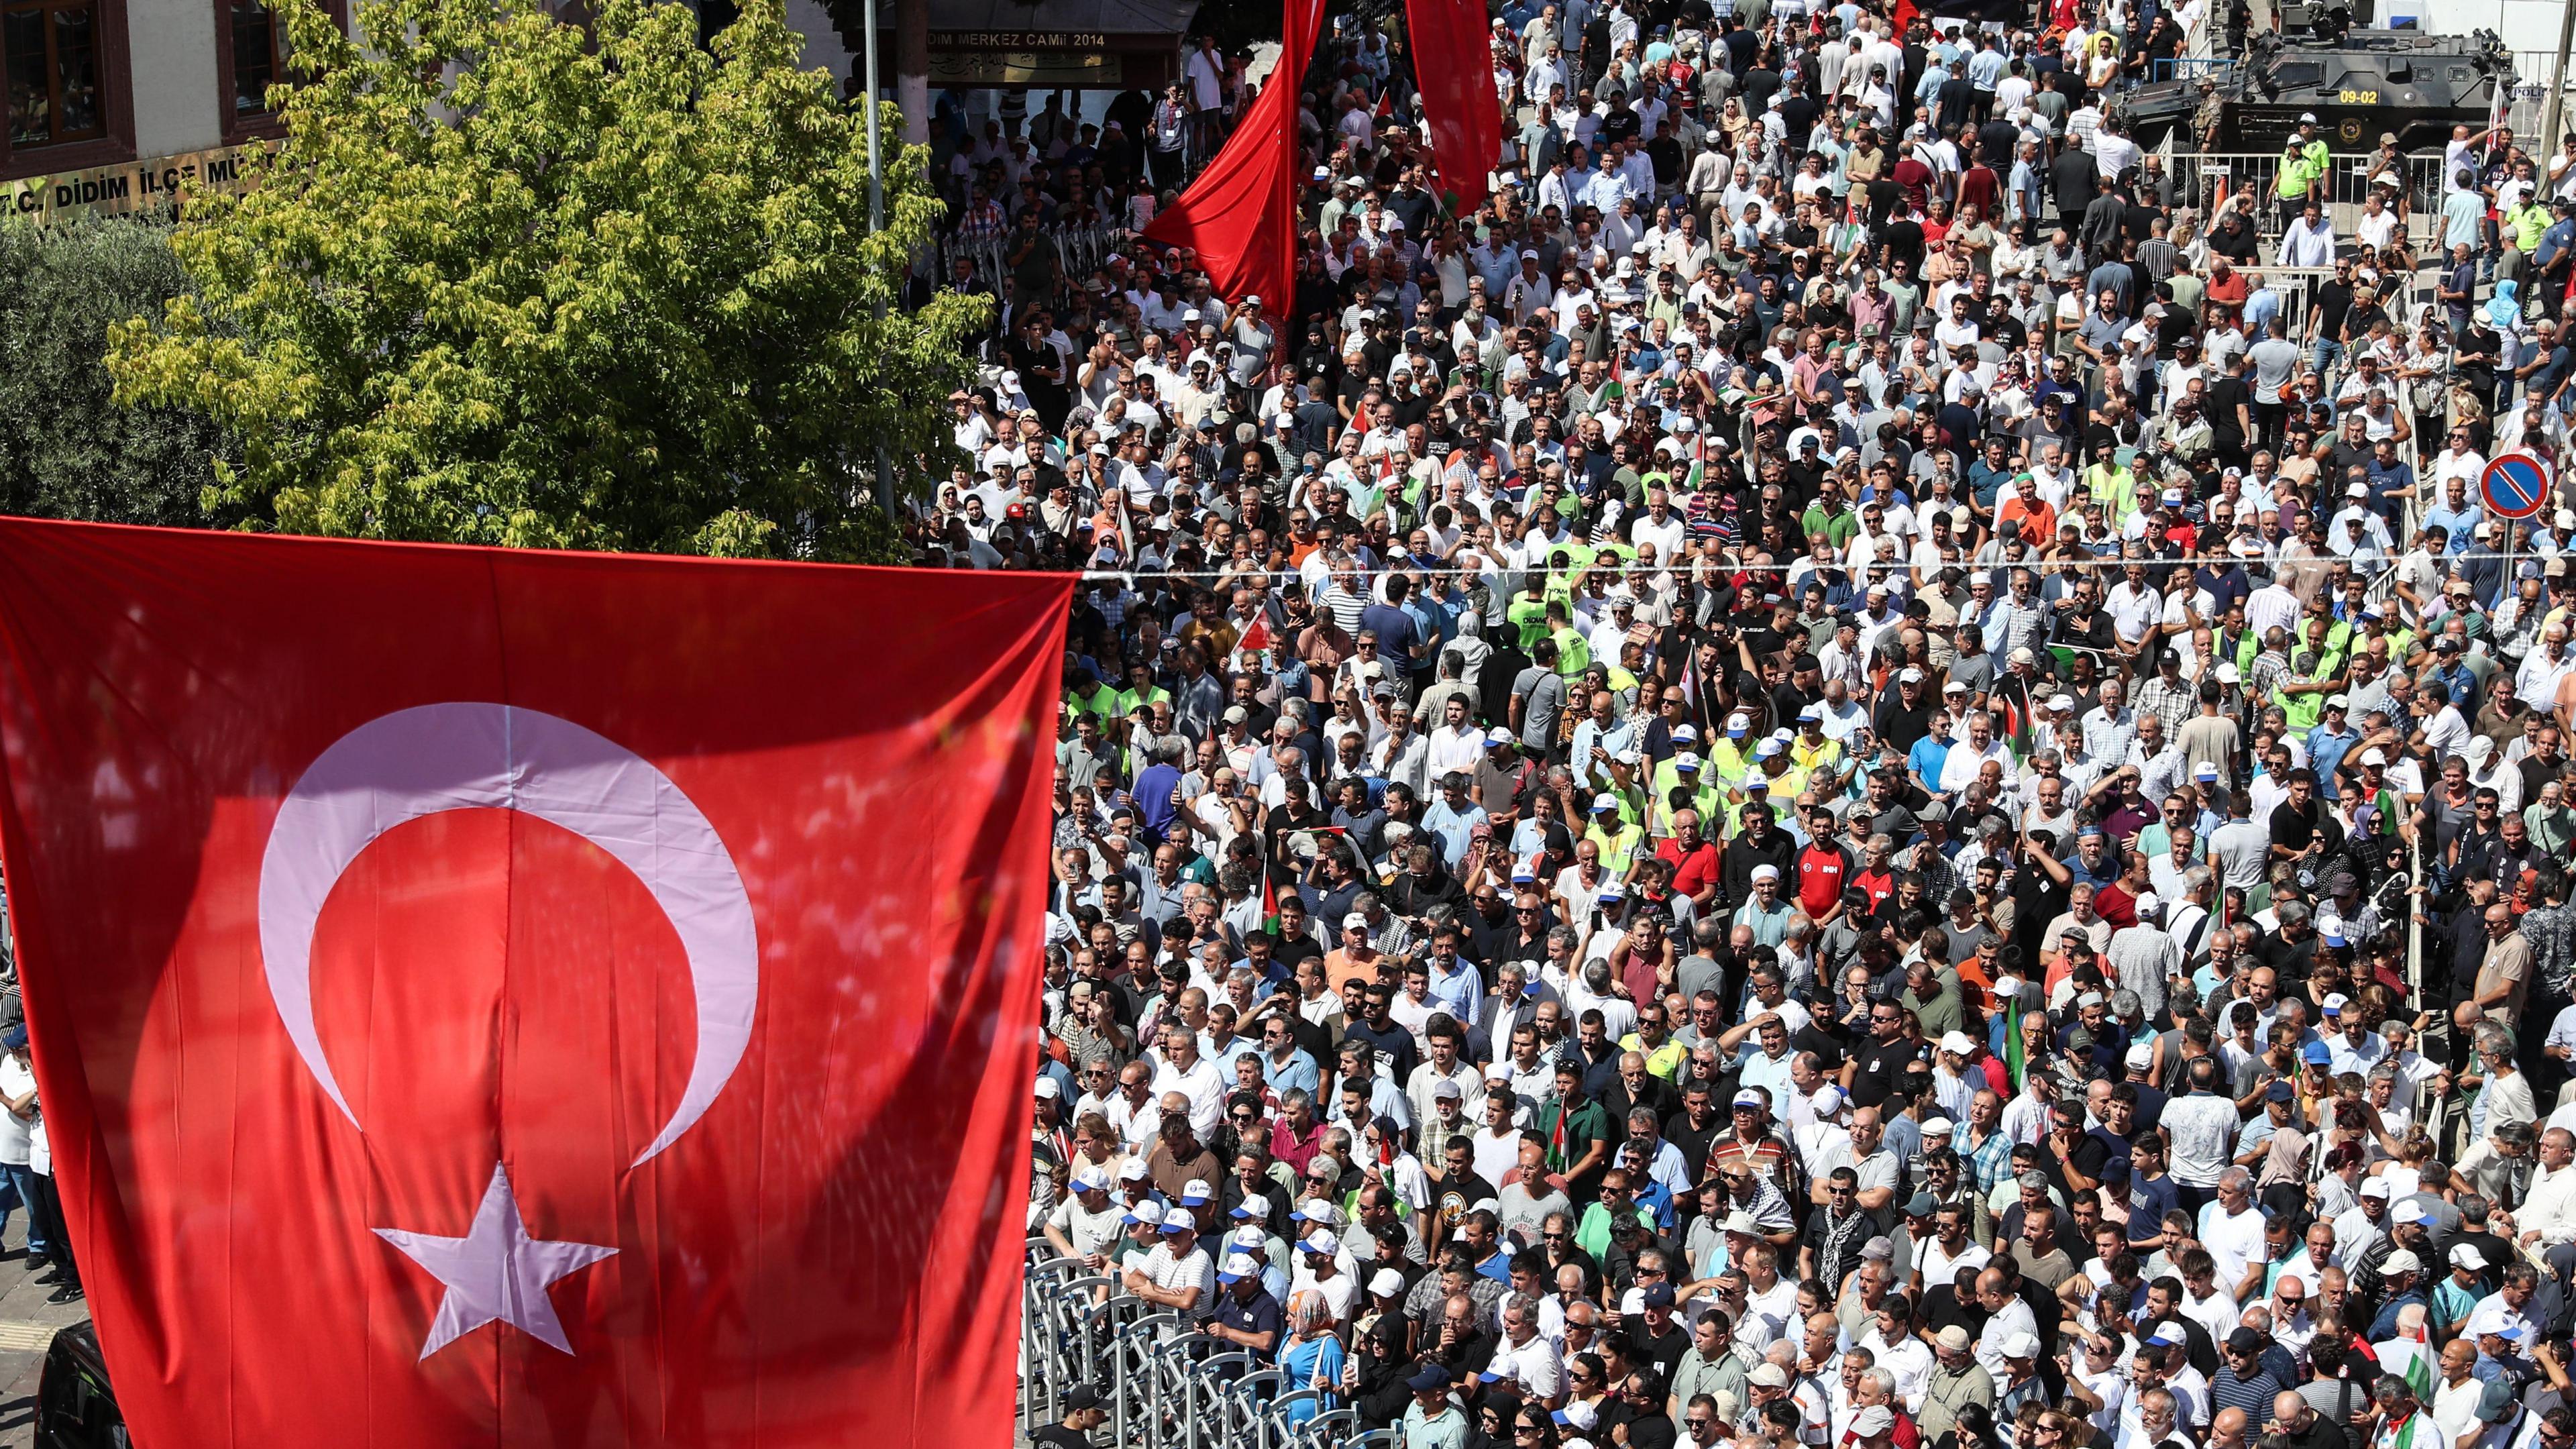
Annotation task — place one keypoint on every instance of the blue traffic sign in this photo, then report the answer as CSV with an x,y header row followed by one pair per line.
x,y
2515,485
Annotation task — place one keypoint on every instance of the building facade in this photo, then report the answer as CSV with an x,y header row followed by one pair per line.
x,y
125,93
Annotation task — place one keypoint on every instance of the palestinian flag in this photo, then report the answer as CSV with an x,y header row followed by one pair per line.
x,y
2410,1357
1269,905
2402,1435
2013,720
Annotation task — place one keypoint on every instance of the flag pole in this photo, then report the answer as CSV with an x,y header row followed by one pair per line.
x,y
876,223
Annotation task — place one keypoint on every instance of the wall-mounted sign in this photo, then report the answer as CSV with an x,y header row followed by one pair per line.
x,y
1026,68
129,186
1018,40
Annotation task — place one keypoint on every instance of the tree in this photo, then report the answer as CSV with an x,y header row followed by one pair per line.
x,y
66,449
508,280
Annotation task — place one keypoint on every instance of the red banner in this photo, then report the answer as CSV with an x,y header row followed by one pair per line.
x,y
531,999
1453,63
1240,215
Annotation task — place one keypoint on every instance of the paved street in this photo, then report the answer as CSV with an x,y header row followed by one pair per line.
x,y
27,1324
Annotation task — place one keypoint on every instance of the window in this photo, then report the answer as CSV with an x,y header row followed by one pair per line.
x,y
51,52
250,58
259,56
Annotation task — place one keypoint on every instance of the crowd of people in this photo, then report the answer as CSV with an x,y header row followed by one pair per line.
x,y
1829,776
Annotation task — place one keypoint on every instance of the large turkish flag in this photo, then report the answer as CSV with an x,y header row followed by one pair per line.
x,y
531,999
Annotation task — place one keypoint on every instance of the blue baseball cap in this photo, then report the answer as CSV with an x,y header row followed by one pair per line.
x,y
2316,1053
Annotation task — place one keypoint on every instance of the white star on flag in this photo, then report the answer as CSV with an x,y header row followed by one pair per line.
x,y
496,1272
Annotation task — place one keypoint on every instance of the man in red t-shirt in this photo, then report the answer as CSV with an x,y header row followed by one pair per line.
x,y
1876,877
1822,868
1694,860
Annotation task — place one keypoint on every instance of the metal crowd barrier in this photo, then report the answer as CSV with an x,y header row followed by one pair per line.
x,y
1163,1386
2195,66
2347,182
1080,249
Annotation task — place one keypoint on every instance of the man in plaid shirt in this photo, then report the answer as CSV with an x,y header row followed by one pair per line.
x,y
1986,1148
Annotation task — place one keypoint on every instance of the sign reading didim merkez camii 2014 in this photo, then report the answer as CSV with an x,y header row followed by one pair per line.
x,y
156,184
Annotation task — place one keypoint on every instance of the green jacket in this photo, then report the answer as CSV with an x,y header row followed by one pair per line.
x,y
2301,168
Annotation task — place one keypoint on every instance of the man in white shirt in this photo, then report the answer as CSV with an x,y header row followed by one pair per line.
x,y
1192,1076
2202,1125
2232,1229
1527,1358
1177,1274
2546,1219
1457,745
2007,1317
1939,1261
1969,756
2309,241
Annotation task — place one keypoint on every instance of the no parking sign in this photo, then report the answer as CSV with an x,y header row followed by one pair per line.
x,y
2515,485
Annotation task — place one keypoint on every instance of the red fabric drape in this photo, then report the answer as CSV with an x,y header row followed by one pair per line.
x,y
1240,215
648,946
1453,65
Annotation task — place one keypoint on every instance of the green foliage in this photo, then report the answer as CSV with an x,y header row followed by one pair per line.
x,y
66,451
511,281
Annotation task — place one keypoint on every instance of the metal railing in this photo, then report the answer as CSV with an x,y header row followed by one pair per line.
x,y
2533,72
1164,1386
1078,248
2209,177
2212,66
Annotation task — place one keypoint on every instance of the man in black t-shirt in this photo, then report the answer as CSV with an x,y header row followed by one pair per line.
x,y
1656,1338
1082,1414
1877,1062
2295,819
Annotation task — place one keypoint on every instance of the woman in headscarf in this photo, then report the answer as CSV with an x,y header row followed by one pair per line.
x,y
2504,315
1533,1427
1312,1357
1375,1382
